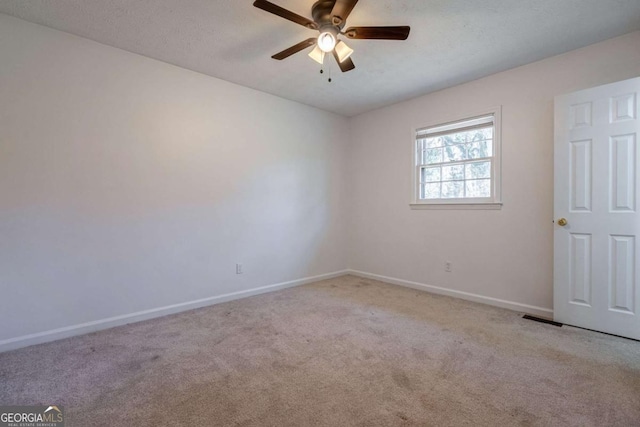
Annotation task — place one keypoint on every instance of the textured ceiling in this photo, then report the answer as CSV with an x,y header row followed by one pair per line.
x,y
451,41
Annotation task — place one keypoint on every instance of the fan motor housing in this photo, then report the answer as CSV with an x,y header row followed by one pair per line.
x,y
321,12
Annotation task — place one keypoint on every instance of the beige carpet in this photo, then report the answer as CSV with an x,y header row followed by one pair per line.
x,y
341,352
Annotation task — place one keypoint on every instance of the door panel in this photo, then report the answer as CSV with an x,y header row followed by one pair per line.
x,y
580,268
623,171
622,255
596,283
580,176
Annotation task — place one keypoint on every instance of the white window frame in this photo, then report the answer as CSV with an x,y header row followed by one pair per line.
x,y
493,202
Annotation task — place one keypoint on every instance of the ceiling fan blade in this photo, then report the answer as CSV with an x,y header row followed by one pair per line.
x,y
342,9
346,65
295,49
379,33
284,13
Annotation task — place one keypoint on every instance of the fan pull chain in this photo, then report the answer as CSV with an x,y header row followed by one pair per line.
x,y
328,70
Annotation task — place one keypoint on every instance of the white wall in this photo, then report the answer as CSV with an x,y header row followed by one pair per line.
x,y
505,254
127,184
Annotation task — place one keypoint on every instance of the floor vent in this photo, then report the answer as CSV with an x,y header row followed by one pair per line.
x,y
541,320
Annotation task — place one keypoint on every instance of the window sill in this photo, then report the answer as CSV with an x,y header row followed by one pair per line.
x,y
428,206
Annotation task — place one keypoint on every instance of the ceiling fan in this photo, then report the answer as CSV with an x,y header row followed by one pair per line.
x,y
329,19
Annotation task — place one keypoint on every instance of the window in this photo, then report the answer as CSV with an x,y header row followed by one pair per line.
x,y
458,163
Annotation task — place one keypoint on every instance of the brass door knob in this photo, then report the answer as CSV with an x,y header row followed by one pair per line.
x,y
562,222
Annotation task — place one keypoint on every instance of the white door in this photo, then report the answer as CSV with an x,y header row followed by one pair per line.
x,y
597,192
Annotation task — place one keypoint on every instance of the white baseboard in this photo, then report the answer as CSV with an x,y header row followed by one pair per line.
x,y
511,305
98,325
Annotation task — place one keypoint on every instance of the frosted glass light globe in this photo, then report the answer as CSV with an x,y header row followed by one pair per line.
x,y
326,42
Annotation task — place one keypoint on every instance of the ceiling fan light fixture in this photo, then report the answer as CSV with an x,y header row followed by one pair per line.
x,y
329,19
326,41
343,51
317,55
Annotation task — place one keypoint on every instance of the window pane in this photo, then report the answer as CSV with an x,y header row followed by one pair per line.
x,y
482,134
433,155
488,146
478,170
432,143
452,139
479,150
451,173
475,135
441,141
431,191
452,189
455,153
479,188
430,174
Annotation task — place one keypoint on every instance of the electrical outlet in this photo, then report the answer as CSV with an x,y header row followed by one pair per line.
x,y
448,266
238,268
